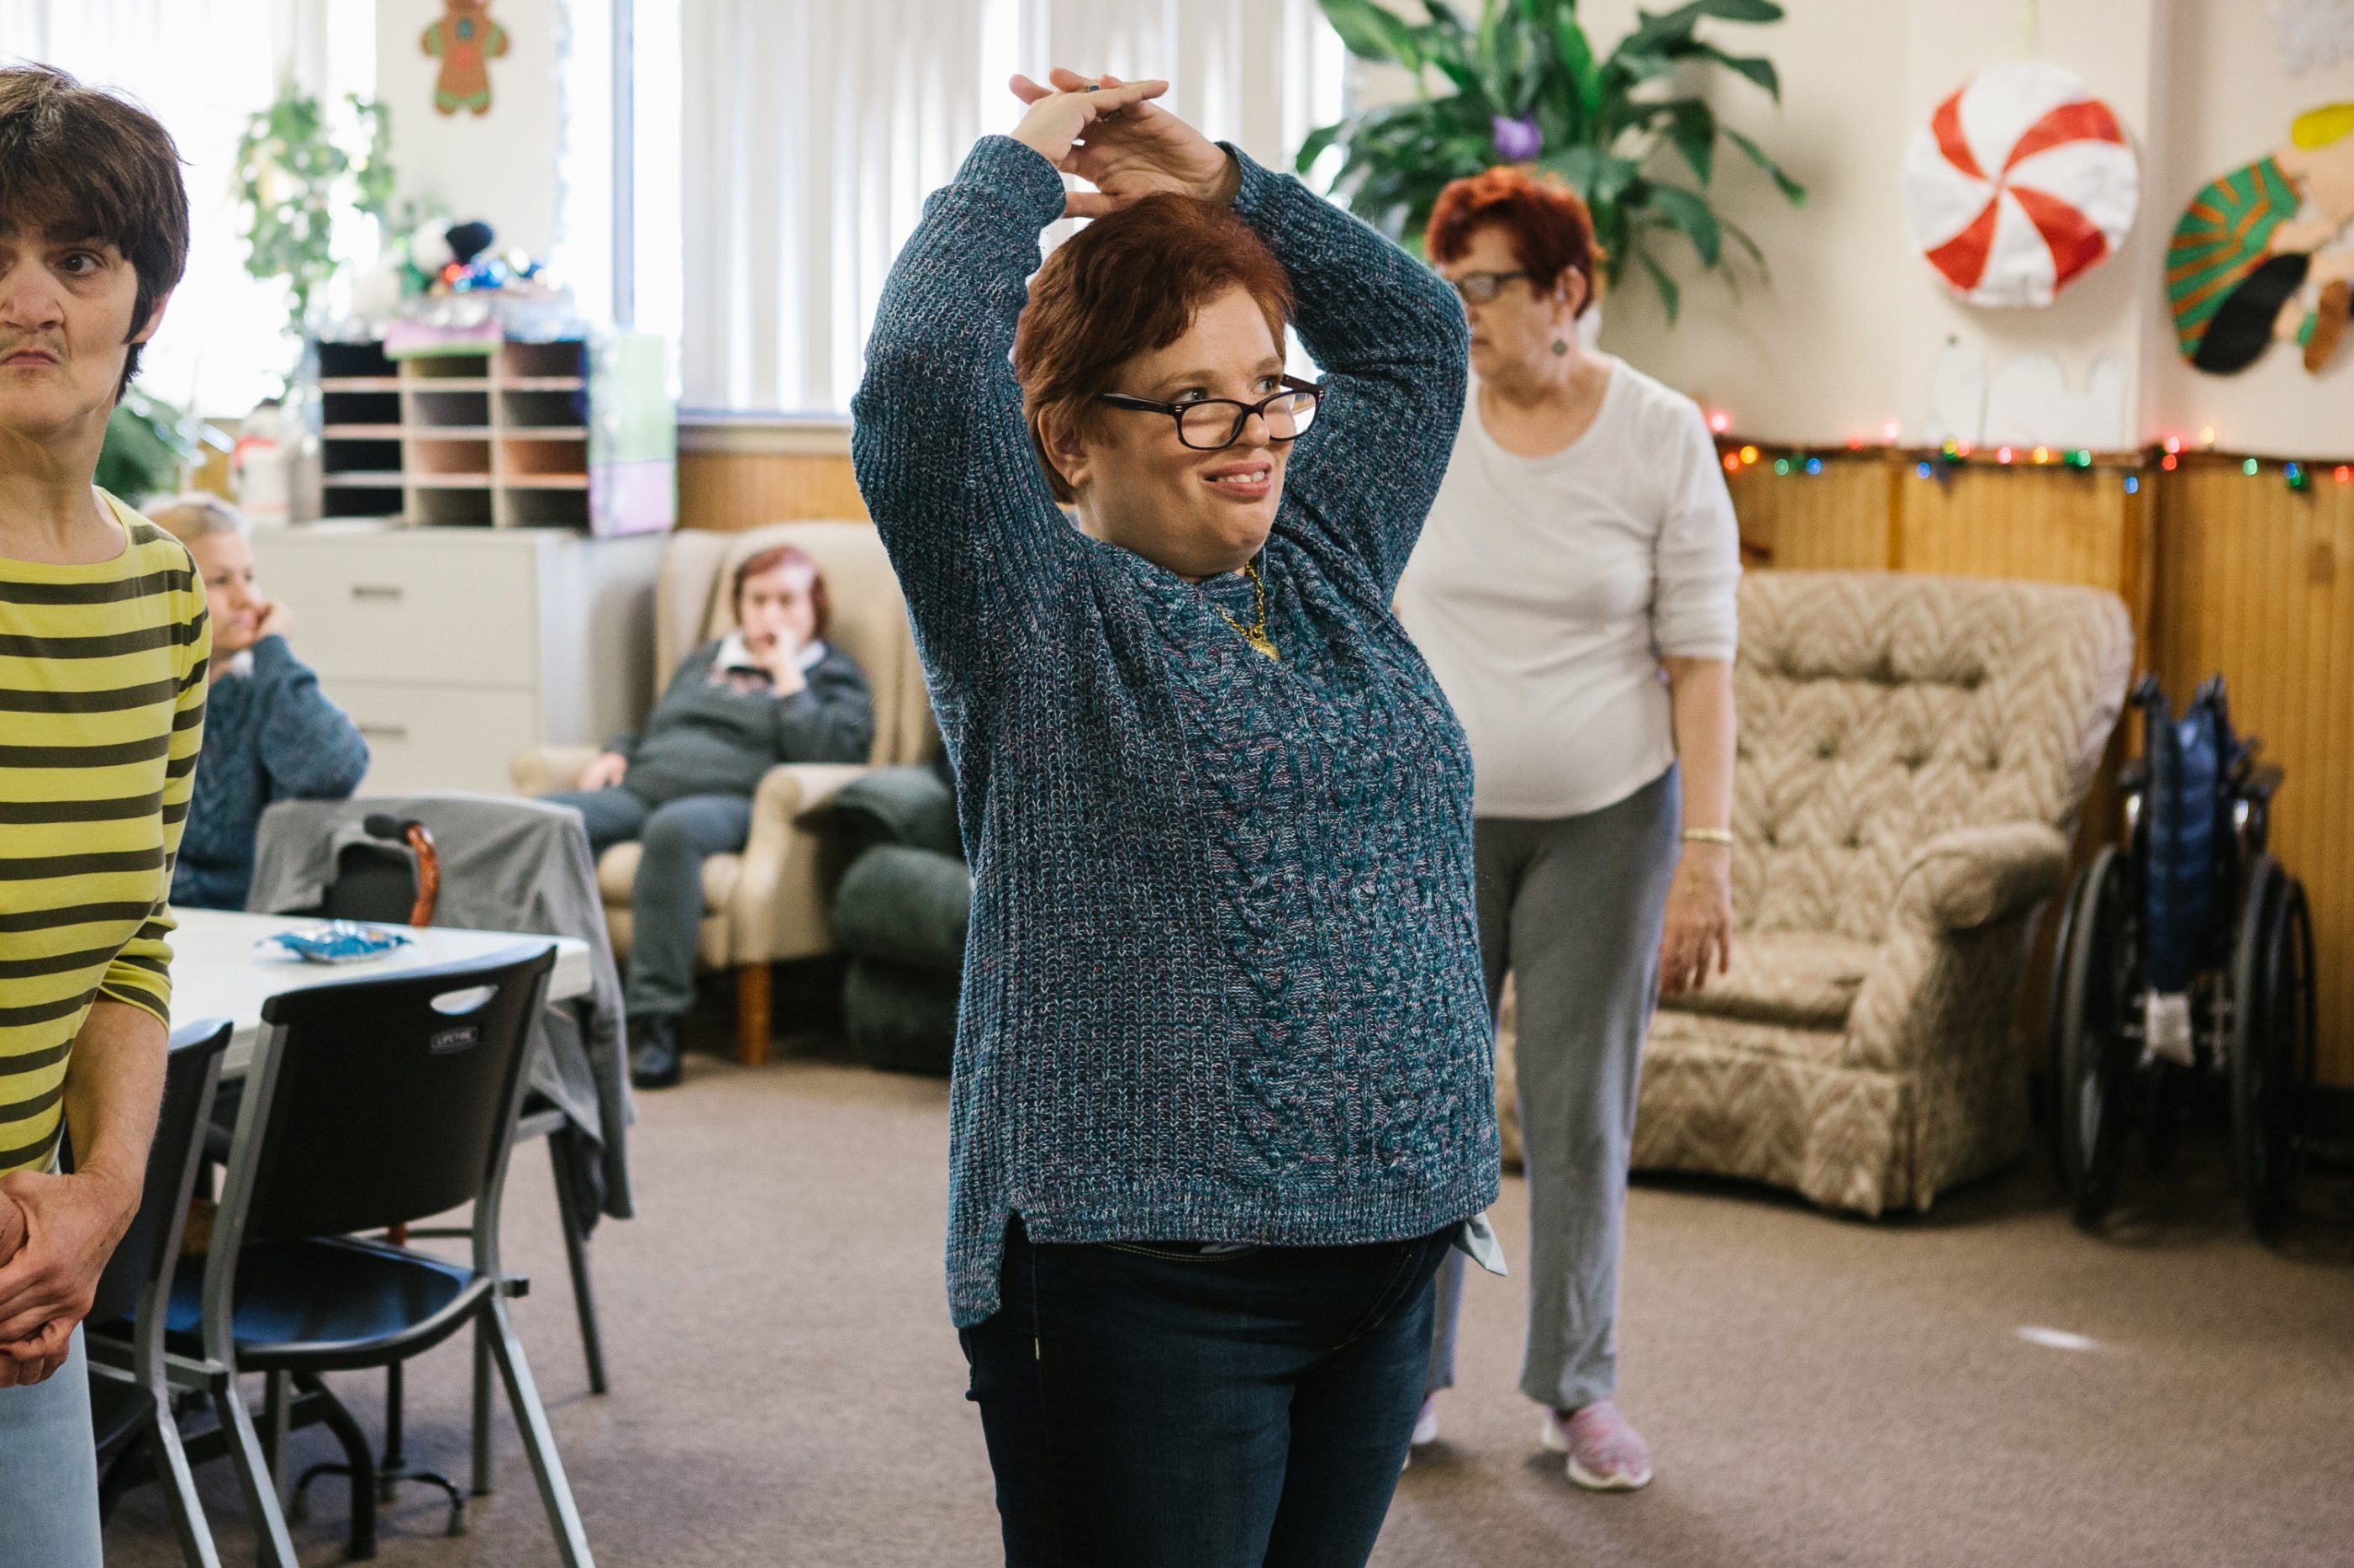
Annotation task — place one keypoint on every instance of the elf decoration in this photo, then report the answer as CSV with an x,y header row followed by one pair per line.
x,y
2262,254
2019,183
466,40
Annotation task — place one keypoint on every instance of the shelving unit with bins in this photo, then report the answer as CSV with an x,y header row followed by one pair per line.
x,y
519,435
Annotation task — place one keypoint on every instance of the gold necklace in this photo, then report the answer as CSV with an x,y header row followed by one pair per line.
x,y
1256,635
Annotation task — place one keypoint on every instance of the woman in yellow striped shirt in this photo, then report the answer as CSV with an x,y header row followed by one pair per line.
x,y
102,649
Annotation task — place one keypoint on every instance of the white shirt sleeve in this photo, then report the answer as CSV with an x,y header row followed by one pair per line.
x,y
1696,564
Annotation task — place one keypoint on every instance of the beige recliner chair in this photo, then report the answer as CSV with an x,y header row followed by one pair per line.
x,y
769,902
1913,751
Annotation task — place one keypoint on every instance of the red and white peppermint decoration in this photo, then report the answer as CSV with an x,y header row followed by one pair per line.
x,y
2021,180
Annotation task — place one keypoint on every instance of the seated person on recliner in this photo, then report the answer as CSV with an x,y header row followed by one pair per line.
x,y
270,733
771,690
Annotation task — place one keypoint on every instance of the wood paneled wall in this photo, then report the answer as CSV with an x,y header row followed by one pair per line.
x,y
2220,571
2257,580
729,489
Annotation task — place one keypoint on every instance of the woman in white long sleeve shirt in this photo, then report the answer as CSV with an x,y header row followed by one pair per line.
x,y
1573,594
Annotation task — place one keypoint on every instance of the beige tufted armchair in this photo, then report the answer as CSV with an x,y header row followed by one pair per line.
x,y
769,902
1913,751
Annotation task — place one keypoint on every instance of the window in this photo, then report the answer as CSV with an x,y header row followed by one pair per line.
x,y
783,149
203,67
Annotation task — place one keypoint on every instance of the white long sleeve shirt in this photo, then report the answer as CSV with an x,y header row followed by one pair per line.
x,y
1545,591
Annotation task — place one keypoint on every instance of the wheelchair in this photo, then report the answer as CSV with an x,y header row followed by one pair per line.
x,y
2185,966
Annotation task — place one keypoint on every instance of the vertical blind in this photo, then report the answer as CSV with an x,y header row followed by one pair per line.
x,y
807,134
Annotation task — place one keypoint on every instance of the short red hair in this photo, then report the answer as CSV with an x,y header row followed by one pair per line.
x,y
772,558
1126,284
1549,227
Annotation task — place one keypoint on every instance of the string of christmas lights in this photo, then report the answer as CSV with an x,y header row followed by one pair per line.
x,y
1739,455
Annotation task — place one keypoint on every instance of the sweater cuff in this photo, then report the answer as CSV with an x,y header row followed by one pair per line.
x,y
271,656
1260,187
1016,176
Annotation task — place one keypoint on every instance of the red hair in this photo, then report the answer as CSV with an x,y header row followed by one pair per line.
x,y
1547,224
1124,285
769,560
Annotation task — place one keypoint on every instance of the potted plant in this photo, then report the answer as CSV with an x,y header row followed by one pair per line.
x,y
296,172
1529,88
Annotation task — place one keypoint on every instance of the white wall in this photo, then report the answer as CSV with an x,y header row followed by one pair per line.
x,y
500,168
1845,334
2230,98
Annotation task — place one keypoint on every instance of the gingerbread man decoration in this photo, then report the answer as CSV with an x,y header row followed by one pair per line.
x,y
466,40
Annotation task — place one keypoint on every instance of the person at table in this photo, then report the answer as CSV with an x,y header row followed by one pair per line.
x,y
771,690
1575,595
270,733
103,648
1222,1091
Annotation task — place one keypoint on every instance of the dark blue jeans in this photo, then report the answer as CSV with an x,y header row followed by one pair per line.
x,y
666,902
1147,1404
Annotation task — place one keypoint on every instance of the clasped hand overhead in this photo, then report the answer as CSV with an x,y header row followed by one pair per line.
x,y
1111,134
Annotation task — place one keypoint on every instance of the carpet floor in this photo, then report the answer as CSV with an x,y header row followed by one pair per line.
x,y
1982,1384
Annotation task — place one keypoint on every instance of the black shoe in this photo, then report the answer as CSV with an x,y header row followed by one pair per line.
x,y
653,1052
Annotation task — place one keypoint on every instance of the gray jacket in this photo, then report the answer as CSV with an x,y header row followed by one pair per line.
x,y
507,864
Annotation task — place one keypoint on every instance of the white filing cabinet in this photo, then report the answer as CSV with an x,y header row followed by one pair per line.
x,y
453,648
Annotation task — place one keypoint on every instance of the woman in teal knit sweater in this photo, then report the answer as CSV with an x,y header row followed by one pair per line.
x,y
271,734
1224,1091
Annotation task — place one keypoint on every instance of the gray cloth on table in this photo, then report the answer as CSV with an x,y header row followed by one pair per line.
x,y
507,864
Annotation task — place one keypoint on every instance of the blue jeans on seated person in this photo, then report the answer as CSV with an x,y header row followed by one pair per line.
x,y
1149,1403
666,900
48,1470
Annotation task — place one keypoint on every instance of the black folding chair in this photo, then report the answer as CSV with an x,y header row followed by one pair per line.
x,y
393,876
130,1389
372,1104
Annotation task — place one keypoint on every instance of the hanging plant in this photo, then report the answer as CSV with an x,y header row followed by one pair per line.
x,y
1528,87
297,174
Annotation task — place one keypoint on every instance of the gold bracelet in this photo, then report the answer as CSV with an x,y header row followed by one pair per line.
x,y
1708,836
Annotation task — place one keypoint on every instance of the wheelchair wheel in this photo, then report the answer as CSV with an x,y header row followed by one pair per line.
x,y
2091,1060
2273,1038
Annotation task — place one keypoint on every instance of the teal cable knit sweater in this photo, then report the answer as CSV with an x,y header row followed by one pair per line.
x,y
1223,979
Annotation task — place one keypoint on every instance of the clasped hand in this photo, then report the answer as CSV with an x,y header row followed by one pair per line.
x,y
56,1235
1111,134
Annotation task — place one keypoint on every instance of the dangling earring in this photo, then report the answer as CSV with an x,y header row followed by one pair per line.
x,y
1560,346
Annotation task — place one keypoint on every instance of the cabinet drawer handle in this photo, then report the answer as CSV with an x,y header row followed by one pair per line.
x,y
375,591
385,731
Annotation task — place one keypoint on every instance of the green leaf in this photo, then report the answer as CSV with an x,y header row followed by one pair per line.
x,y
1790,188
1654,31
1313,146
1670,295
1372,33
1576,54
1445,15
1754,67
1691,129
1598,177
1741,238
1689,212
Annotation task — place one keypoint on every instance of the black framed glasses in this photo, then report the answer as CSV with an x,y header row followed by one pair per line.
x,y
1480,288
1213,424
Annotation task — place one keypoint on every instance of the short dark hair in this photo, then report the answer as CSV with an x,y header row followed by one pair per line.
x,y
79,163
1126,284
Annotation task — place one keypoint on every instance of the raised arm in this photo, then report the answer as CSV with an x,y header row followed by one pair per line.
x,y
309,746
943,453
1391,340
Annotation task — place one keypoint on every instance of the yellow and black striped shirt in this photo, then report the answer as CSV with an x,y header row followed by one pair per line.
x,y
101,715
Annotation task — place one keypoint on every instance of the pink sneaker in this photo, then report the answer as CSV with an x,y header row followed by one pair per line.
x,y
1606,1454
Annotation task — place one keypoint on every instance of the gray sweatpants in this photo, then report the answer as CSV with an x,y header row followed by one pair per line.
x,y
666,902
1572,907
